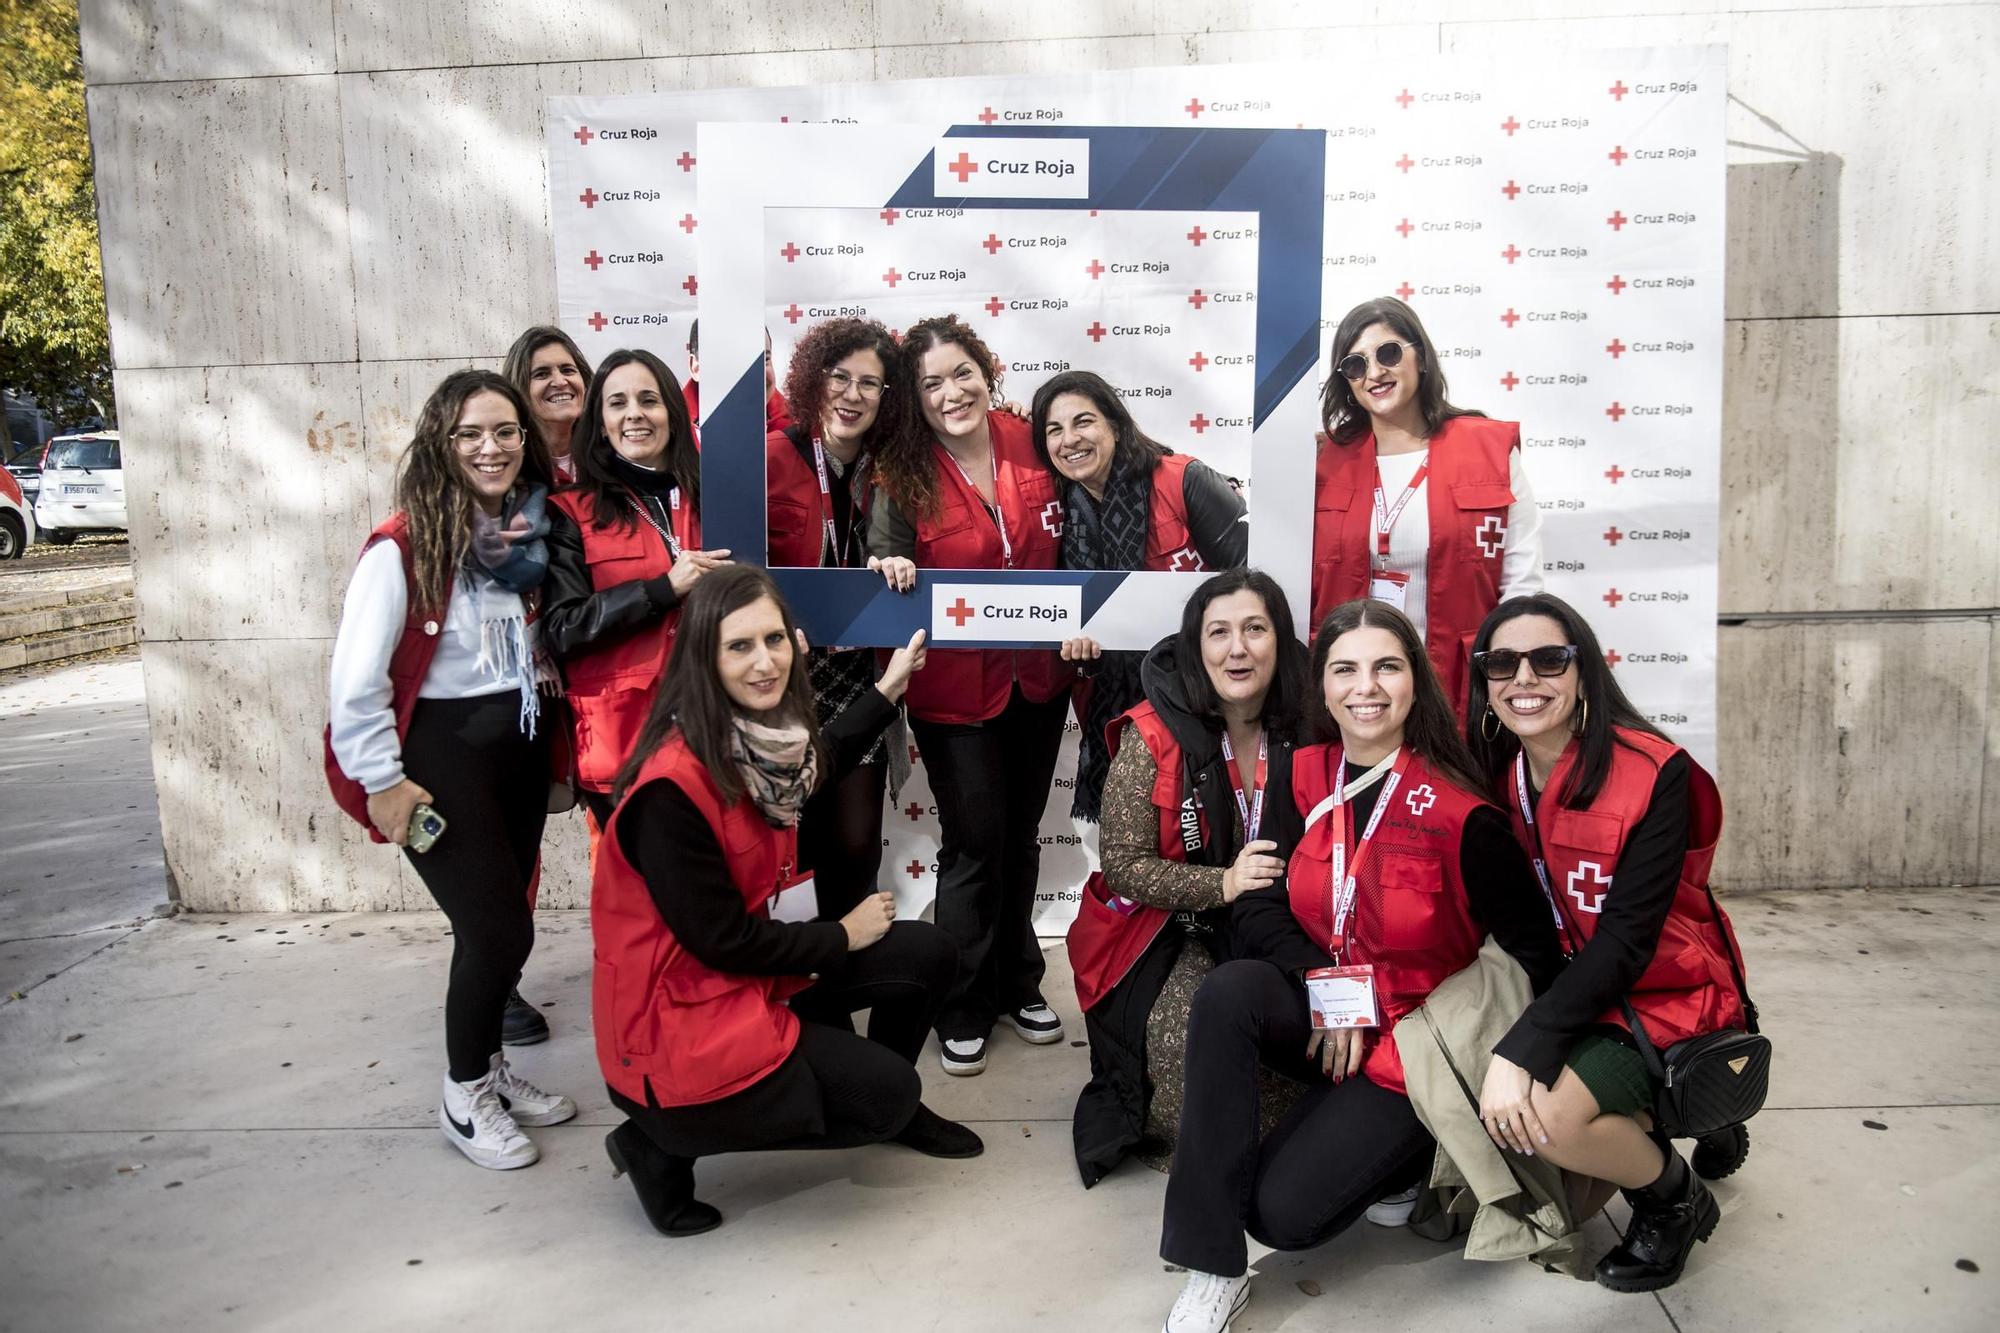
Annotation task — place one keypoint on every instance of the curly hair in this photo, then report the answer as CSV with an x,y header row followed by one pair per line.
x,y
431,488
905,468
1341,414
826,345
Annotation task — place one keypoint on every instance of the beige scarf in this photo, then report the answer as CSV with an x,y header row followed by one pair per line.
x,y
778,765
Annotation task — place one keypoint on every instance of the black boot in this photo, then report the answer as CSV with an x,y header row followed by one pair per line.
x,y
934,1136
1719,1154
522,1024
663,1182
1668,1217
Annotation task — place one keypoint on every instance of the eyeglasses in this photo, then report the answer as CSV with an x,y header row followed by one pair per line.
x,y
1354,365
1503,663
867,385
507,439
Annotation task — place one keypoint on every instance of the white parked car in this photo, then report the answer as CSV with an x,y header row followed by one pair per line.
x,y
83,487
17,521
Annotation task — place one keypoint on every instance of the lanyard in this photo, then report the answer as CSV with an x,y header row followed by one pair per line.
x,y
666,533
1344,879
1541,866
1385,518
998,516
834,543
1252,809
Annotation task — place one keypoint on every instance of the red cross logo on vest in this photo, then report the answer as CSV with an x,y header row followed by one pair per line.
x,y
1052,518
1589,902
1421,799
1187,560
1491,536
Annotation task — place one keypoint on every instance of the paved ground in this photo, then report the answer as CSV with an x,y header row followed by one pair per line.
x,y
229,1123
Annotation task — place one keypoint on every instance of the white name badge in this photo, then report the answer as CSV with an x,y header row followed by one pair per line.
x,y
1386,585
796,902
1343,997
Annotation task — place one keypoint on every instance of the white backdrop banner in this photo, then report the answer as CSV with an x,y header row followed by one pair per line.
x,y
1559,229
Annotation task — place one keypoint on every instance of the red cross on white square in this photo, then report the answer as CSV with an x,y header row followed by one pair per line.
x,y
1420,799
1491,536
1187,560
1592,903
1052,518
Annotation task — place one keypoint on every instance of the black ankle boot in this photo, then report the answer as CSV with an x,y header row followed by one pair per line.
x,y
1719,1154
522,1024
934,1136
1668,1217
663,1182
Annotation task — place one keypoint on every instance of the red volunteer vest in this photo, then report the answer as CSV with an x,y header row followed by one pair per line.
x,y
1169,539
1411,918
965,685
1105,940
661,1018
1687,990
795,512
1467,493
611,686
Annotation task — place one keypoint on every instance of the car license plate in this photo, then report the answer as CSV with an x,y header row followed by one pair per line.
x,y
82,490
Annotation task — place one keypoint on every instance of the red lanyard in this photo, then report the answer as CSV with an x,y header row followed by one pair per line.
x,y
1252,809
834,543
998,516
1385,518
1341,887
1541,866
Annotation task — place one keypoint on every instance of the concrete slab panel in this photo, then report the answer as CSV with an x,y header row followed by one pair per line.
x,y
1308,41
1851,757
223,213
392,397
1854,477
248,501
1989,814
986,21
955,59
151,41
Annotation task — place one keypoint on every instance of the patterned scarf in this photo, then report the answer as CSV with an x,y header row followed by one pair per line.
x,y
778,766
1106,535
513,550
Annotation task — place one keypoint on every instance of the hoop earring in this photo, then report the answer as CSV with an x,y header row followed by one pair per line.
x,y
1583,717
1492,717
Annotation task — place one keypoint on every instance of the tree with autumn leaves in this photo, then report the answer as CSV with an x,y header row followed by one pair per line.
x,y
53,339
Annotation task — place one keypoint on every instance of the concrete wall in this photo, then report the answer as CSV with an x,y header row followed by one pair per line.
x,y
312,210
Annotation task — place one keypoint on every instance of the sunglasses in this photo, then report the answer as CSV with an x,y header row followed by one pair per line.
x,y
1354,365
1504,663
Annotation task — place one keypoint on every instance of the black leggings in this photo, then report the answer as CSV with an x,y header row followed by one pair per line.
x,y
1340,1148
840,838
491,784
836,1089
991,780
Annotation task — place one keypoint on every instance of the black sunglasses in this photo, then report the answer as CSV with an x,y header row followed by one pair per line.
x,y
1354,365
1503,663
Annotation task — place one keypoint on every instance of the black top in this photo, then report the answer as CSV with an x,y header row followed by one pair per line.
x,y
578,616
664,836
1216,519
1500,889
1604,971
849,523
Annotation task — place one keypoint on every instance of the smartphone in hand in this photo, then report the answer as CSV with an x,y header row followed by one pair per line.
x,y
426,827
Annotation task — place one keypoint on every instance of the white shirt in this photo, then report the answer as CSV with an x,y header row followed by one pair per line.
x,y
371,624
1410,539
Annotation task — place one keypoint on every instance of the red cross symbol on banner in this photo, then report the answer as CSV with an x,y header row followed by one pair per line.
x,y
915,756
1052,518
1613,473
1616,348
914,811
1420,799
889,216
1509,380
992,243
1510,254
1197,300
916,869
597,321
1612,535
963,167
1617,220
690,286
1405,228
1616,411
1094,269
588,198
988,116
583,135
792,313
1510,125
1612,598
685,161
1406,291
892,277
959,611
1618,91
1198,361
1510,319
1198,423
593,259
1510,189
1618,155
1194,108
1491,536
791,253
1404,163
1617,284
1096,331
687,224
1592,903
1187,560
1404,99
1197,235
1612,659
995,306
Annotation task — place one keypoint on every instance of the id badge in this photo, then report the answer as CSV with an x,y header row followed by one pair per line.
x,y
1343,997
797,901
1389,585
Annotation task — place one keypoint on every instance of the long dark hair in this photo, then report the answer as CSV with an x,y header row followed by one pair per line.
x,y
1431,729
824,346
1135,452
431,489
592,448
1284,705
1341,414
905,467
520,360
1608,708
692,699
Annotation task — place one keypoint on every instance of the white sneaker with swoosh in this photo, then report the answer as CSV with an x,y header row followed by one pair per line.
x,y
528,1104
1208,1303
473,1121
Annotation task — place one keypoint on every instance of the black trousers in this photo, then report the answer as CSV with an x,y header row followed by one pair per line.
x,y
1342,1147
991,780
491,784
840,838
836,1089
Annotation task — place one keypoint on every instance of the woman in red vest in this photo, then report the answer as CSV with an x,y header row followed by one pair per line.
x,y
964,489
1128,503
552,374
817,483
1418,503
1623,824
1197,810
721,1028
433,743
1402,870
624,550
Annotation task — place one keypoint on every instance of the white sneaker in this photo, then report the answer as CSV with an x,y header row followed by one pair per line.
x,y
525,1102
1393,1210
1208,1303
963,1057
1037,1023
473,1120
